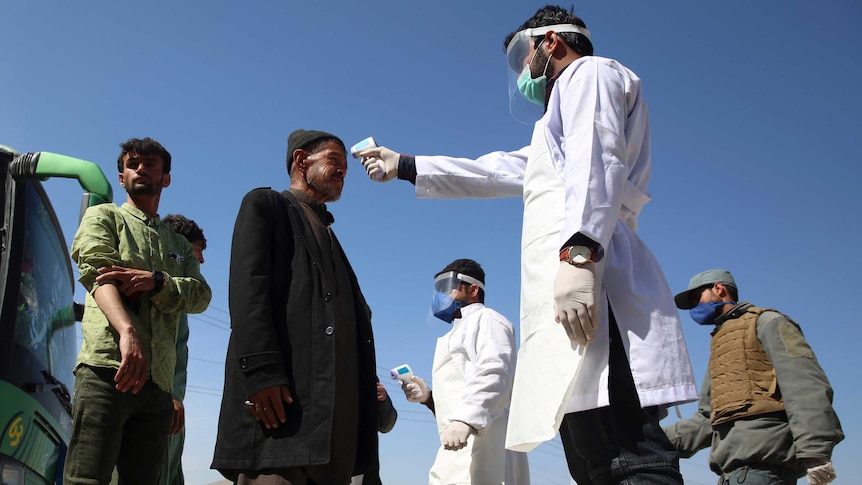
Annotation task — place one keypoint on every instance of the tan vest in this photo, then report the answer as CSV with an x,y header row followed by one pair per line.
x,y
742,376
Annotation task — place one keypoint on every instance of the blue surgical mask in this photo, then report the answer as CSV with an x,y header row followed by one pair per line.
x,y
444,307
534,89
705,313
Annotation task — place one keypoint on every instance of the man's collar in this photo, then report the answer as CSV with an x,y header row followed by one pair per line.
x,y
734,312
317,206
139,214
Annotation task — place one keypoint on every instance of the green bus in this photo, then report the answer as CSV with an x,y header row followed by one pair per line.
x,y
37,314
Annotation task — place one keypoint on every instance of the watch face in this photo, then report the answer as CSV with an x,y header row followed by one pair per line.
x,y
579,254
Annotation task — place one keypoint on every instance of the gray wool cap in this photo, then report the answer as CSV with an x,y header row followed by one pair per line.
x,y
302,138
708,277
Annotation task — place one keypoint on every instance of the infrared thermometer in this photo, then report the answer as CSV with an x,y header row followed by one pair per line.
x,y
369,143
402,373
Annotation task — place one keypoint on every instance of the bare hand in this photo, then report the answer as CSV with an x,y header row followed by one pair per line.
x,y
381,392
132,373
267,405
179,417
129,281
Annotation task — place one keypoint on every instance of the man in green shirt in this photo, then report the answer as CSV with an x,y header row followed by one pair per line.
x,y
140,276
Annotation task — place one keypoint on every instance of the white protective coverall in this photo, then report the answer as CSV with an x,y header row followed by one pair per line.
x,y
472,382
585,171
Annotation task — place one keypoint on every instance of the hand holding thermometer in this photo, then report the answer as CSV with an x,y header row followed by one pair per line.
x,y
369,143
402,373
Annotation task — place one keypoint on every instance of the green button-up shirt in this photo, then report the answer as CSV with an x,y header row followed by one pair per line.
x,y
126,236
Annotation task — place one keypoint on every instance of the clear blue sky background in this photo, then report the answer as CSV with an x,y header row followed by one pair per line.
x,y
755,132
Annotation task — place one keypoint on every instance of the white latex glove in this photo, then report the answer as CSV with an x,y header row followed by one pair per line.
x,y
415,391
821,474
455,435
376,159
575,295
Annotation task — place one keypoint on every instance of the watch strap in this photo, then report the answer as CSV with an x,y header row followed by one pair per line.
x,y
160,280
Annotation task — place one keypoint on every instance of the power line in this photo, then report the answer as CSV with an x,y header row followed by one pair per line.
x,y
193,391
548,452
202,388
211,307
413,420
421,413
220,327
553,479
206,360
211,318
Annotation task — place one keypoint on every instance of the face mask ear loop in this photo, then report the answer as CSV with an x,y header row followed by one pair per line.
x,y
534,58
545,72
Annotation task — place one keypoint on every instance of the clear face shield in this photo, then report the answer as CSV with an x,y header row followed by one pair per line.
x,y
443,303
527,94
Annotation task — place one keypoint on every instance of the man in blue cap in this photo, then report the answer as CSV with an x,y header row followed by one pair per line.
x,y
765,405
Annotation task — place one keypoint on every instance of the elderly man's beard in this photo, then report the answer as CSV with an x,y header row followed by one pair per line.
x,y
328,189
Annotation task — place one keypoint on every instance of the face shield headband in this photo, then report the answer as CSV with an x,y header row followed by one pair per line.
x,y
451,280
519,46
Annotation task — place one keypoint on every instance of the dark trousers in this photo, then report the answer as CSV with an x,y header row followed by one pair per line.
x,y
285,476
758,476
621,443
111,427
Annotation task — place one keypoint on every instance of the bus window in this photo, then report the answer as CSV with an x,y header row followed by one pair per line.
x,y
44,323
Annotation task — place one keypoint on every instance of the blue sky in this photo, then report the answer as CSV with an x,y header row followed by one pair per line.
x,y
755,149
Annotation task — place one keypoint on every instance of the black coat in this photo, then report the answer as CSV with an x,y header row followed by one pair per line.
x,y
282,332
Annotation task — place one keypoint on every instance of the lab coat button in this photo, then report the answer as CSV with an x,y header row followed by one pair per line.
x,y
329,330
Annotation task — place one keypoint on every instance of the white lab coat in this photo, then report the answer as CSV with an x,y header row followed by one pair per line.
x,y
472,382
592,169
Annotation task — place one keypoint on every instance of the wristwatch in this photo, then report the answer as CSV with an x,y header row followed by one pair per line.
x,y
159,280
578,255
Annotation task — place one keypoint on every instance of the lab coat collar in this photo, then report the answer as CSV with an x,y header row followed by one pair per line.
x,y
549,86
470,309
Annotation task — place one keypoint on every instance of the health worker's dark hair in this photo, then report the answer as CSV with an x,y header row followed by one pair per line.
x,y
553,15
469,268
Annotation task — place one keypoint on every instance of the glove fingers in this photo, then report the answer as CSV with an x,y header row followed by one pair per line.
x,y
369,152
594,317
563,320
410,391
585,323
578,331
572,324
371,163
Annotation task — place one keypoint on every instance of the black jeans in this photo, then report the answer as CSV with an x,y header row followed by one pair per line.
x,y
621,443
